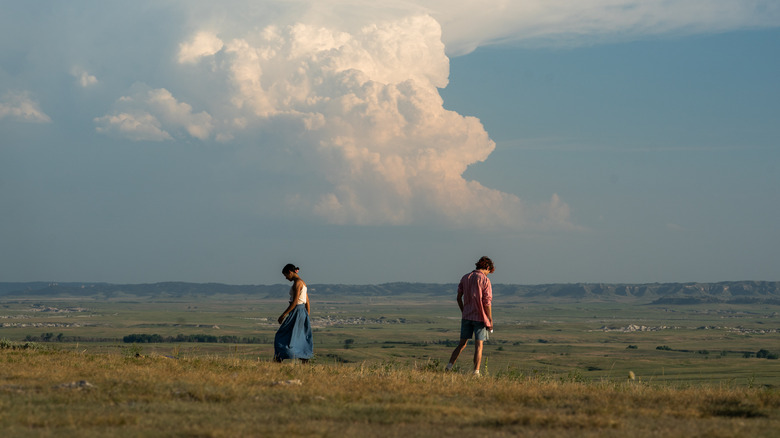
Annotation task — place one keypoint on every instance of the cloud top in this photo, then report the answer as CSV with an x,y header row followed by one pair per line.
x,y
468,25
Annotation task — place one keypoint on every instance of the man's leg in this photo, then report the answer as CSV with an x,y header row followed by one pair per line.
x,y
477,355
458,350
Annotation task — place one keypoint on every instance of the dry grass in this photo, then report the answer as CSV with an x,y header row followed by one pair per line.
x,y
209,396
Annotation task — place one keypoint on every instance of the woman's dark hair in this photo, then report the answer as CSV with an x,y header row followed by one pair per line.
x,y
289,268
485,263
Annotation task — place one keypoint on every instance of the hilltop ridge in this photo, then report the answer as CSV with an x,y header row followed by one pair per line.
x,y
734,292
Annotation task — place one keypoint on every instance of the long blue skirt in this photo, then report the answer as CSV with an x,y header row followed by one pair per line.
x,y
293,339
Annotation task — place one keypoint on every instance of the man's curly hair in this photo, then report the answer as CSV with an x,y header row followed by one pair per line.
x,y
485,263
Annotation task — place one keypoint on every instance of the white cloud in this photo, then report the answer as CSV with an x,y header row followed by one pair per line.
x,y
179,114
138,126
203,44
83,77
151,115
371,124
19,106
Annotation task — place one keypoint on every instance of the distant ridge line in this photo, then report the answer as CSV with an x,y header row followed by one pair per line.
x,y
735,292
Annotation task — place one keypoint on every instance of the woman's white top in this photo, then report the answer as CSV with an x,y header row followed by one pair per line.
x,y
302,298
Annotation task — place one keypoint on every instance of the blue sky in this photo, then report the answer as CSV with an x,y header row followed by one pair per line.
x,y
595,141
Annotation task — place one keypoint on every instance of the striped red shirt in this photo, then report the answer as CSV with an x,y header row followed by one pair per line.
x,y
477,294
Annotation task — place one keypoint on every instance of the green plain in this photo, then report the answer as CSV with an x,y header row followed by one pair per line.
x,y
578,341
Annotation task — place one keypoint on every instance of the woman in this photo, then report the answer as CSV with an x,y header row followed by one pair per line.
x,y
293,339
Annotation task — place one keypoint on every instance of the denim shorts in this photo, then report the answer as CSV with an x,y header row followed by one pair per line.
x,y
473,328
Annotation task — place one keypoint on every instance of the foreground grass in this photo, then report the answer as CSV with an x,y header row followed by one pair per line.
x,y
64,393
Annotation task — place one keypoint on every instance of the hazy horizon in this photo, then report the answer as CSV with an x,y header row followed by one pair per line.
x,y
453,283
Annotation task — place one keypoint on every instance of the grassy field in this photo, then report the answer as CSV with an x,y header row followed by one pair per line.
x,y
550,369
595,341
67,393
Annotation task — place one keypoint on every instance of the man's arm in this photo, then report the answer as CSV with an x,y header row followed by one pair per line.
x,y
460,300
487,302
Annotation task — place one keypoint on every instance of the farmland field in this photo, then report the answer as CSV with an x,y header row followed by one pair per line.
x,y
557,369
588,341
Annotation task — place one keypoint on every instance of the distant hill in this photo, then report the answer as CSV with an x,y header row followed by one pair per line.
x,y
735,292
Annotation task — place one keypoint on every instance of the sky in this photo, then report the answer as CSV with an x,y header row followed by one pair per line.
x,y
594,141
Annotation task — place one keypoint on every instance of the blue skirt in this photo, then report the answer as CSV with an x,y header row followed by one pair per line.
x,y
293,339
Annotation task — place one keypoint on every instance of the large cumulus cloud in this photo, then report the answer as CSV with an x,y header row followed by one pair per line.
x,y
360,109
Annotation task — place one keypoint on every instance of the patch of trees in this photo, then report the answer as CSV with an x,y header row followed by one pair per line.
x,y
143,338
760,354
765,354
60,337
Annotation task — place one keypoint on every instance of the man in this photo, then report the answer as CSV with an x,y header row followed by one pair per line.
x,y
475,296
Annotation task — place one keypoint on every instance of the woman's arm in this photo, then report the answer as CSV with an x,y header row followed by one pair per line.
x,y
297,287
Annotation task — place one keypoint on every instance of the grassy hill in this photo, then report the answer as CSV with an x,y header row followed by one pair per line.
x,y
51,392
